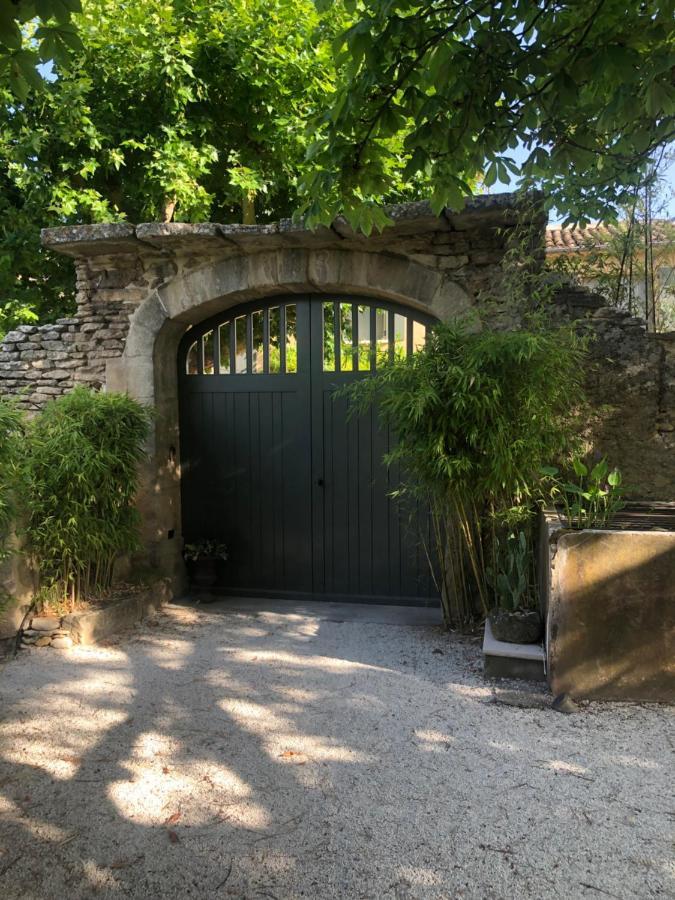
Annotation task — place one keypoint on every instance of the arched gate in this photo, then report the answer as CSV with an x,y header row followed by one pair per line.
x,y
273,466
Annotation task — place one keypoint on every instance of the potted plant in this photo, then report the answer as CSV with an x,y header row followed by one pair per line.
x,y
204,559
515,618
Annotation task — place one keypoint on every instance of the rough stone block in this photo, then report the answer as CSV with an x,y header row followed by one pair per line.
x,y
203,286
453,262
611,615
45,623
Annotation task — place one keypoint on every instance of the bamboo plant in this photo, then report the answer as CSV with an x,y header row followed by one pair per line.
x,y
82,466
476,416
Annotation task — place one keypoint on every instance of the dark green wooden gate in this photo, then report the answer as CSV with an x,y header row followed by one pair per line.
x,y
273,466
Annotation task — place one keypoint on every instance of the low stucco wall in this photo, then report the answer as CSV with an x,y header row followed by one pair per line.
x,y
611,614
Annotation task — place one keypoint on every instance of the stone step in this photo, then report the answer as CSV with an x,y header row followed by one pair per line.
x,y
520,662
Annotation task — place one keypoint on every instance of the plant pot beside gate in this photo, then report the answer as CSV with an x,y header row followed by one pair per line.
x,y
204,560
514,620
512,645
517,626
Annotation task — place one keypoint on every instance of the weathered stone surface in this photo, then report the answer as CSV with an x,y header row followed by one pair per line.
x,y
90,240
611,614
45,623
91,627
61,642
563,703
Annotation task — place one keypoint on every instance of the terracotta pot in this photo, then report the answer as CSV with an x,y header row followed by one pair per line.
x,y
204,572
520,626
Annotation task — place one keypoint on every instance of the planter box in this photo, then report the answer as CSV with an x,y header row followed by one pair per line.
x,y
92,627
610,606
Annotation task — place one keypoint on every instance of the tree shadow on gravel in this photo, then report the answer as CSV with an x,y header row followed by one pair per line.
x,y
267,756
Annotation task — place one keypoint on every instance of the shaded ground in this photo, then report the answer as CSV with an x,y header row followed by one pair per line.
x,y
278,756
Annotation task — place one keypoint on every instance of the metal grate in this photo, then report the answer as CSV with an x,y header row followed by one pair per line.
x,y
645,517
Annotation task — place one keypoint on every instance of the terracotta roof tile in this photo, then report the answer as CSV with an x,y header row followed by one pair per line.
x,y
561,240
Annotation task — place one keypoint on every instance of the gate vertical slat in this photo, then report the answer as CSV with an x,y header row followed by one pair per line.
x,y
266,340
216,350
373,338
391,334
249,344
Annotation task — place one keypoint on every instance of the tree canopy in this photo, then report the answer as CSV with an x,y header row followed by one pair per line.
x,y
233,110
188,110
584,89
31,32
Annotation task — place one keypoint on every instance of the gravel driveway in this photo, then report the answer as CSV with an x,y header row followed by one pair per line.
x,y
280,755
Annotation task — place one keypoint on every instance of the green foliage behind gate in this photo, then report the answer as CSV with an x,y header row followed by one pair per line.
x,y
11,445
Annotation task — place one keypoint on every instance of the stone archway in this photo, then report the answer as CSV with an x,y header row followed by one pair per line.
x,y
147,368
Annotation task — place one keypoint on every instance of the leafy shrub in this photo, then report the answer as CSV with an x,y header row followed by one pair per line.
x,y
11,434
475,416
82,465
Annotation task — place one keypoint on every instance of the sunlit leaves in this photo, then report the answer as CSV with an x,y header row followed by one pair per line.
x,y
81,461
586,88
167,109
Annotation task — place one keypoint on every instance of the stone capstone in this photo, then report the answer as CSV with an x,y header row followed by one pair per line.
x,y
45,623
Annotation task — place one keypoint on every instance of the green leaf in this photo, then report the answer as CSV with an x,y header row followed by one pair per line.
x,y
660,99
10,33
580,468
549,471
573,489
490,176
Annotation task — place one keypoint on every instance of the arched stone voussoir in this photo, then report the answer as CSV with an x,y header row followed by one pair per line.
x,y
193,297
212,288
144,326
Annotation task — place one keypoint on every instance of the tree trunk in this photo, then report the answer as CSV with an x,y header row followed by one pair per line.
x,y
248,208
169,208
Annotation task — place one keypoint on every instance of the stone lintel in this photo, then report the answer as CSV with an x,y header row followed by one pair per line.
x,y
180,235
82,241
86,241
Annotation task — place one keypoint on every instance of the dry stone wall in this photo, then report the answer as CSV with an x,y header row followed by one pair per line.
x,y
631,383
39,362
